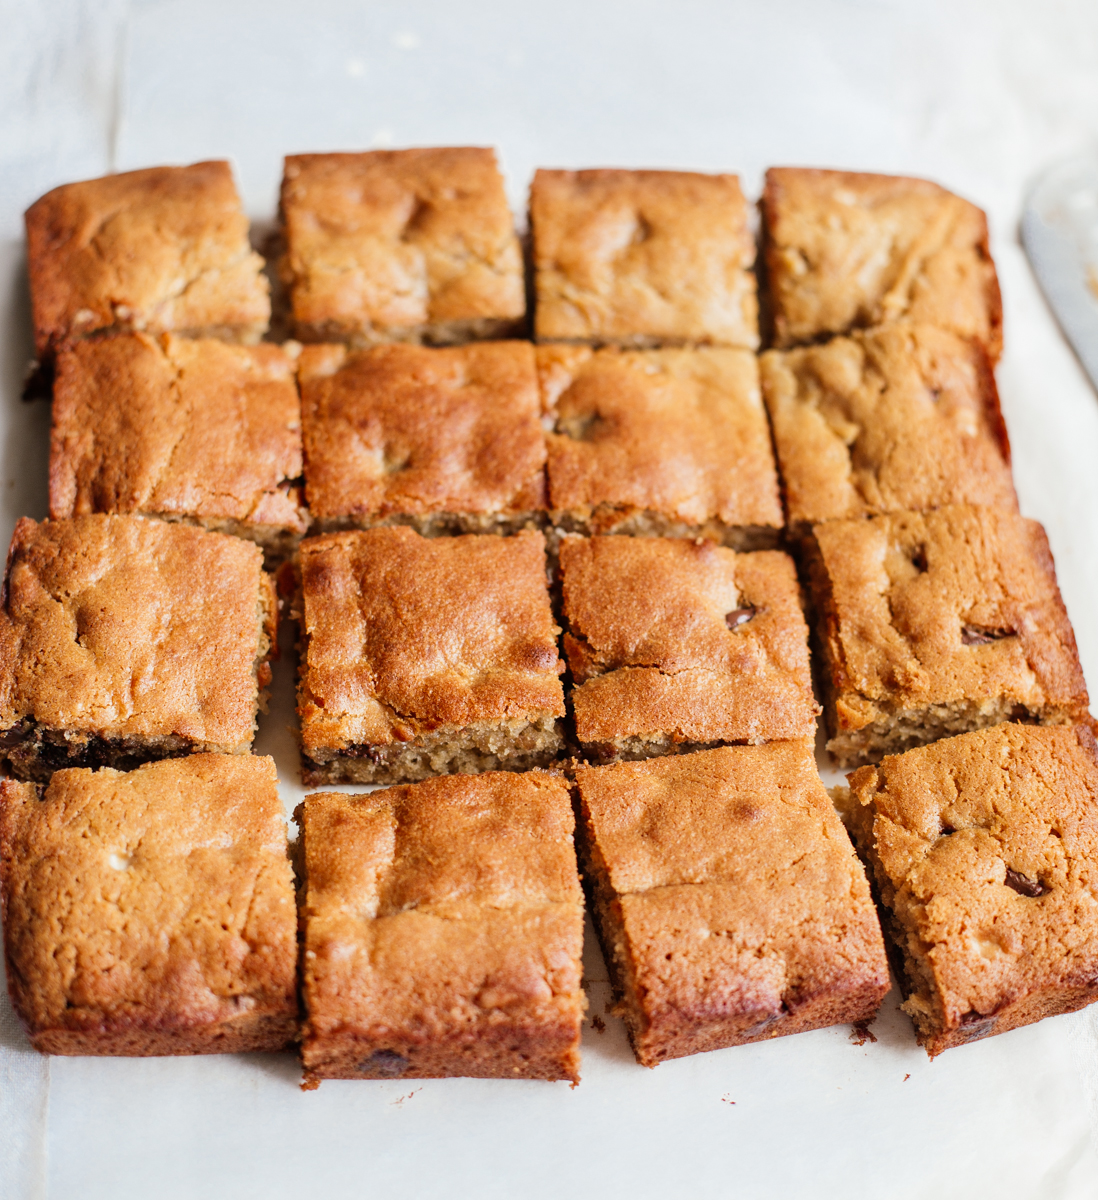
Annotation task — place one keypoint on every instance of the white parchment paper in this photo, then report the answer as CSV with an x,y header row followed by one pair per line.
x,y
977,94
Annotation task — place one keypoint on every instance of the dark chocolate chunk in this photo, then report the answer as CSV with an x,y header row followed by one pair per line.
x,y
384,1062
739,616
976,635
1023,885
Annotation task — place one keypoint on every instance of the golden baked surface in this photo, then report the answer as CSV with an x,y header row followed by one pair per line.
x,y
674,434
954,607
178,427
985,850
124,627
150,912
643,258
899,418
406,634
443,930
683,638
407,430
846,250
730,902
400,244
164,249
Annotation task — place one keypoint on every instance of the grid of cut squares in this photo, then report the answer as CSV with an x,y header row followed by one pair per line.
x,y
674,644
125,639
183,429
659,442
938,623
984,852
163,250
124,642
151,912
845,251
443,930
447,440
729,902
426,655
400,245
642,258
897,418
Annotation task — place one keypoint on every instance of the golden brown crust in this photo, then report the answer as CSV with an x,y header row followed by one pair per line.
x,y
177,428
953,610
164,249
729,901
408,635
845,250
984,848
443,926
408,431
150,912
128,629
400,245
643,258
899,418
680,434
684,639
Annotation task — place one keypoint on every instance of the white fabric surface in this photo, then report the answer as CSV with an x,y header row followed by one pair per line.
x,y
978,94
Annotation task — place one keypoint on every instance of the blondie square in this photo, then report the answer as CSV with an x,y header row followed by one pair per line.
x,y
728,899
150,912
164,250
938,623
643,258
659,442
124,639
186,430
675,643
426,656
905,417
400,245
447,440
984,851
443,931
846,251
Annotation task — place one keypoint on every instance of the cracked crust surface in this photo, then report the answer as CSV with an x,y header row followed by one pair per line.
x,y
400,245
658,436
406,432
845,250
643,258
443,931
984,849
150,912
898,418
729,902
178,428
411,641
676,642
164,250
131,631
939,623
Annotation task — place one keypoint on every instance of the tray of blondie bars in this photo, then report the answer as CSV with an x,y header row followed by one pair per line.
x,y
511,716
